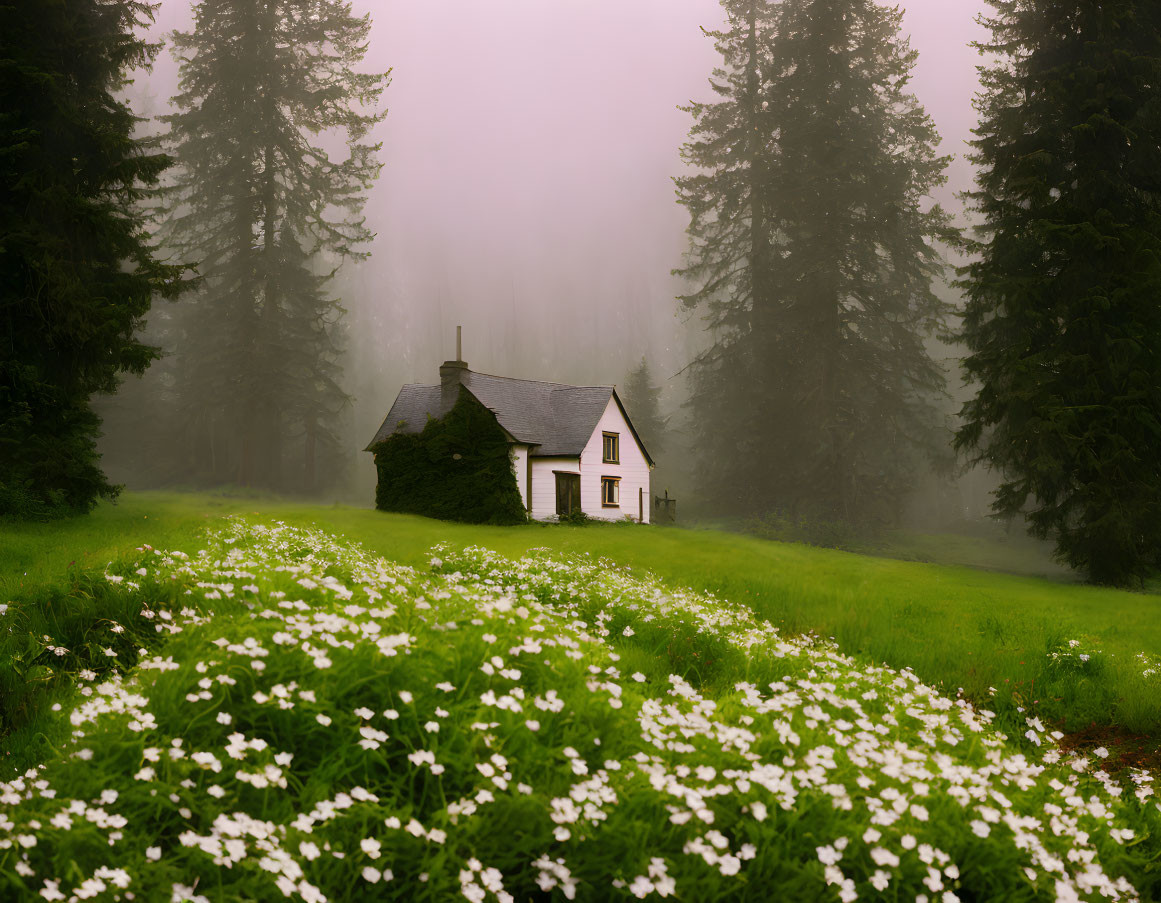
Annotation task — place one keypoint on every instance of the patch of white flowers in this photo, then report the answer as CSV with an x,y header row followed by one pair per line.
x,y
1150,665
1074,656
477,736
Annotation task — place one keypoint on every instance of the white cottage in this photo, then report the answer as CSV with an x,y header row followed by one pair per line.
x,y
572,447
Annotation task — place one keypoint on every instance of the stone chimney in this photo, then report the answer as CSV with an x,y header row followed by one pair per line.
x,y
452,373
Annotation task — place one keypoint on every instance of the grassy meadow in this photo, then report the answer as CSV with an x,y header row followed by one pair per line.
x,y
245,710
1068,653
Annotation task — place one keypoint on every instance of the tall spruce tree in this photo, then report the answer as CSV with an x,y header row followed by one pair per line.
x,y
641,397
813,255
1063,321
77,272
270,214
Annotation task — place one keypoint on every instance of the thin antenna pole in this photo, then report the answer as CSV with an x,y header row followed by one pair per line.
x,y
459,343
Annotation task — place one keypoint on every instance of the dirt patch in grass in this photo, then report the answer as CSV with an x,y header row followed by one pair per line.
x,y
1127,749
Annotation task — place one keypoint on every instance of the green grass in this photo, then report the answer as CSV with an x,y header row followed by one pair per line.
x,y
993,550
318,722
957,627
37,554
987,544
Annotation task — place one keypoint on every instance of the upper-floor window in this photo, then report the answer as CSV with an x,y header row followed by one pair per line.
x,y
612,454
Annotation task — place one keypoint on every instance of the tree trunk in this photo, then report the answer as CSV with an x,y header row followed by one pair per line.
x,y
759,301
309,468
271,437
246,460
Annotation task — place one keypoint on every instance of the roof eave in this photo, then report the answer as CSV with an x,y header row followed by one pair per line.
x,y
633,429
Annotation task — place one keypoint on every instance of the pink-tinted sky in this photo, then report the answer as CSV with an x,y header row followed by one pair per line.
x,y
527,190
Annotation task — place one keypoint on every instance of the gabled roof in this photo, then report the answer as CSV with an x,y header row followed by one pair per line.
x,y
413,405
556,418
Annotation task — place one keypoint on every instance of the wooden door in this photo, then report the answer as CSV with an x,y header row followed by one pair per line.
x,y
568,493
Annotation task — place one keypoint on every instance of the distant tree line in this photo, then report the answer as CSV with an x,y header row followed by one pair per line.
x,y
248,390
642,399
251,393
816,261
1063,318
815,250
78,270
813,259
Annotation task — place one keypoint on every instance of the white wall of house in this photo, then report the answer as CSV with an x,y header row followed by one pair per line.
x,y
519,456
633,469
544,484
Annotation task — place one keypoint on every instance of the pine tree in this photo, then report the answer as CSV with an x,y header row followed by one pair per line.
x,y
270,214
813,255
77,272
1063,320
643,403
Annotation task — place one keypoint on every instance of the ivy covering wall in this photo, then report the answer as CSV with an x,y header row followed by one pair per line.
x,y
457,468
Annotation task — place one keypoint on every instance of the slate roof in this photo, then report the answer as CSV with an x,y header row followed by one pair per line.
x,y
559,419
413,405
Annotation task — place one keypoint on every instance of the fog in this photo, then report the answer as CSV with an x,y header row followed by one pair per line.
x,y
527,188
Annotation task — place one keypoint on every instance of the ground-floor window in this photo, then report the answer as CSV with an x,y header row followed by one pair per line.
x,y
611,492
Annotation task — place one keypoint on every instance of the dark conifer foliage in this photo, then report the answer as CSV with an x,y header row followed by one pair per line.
x,y
813,256
642,400
77,272
270,214
1063,320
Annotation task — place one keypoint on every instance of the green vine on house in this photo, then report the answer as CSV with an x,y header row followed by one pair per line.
x,y
458,468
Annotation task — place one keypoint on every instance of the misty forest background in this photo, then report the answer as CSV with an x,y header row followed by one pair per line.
x,y
826,313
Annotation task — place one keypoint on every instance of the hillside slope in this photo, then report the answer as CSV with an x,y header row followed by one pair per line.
x,y
1070,654
318,723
